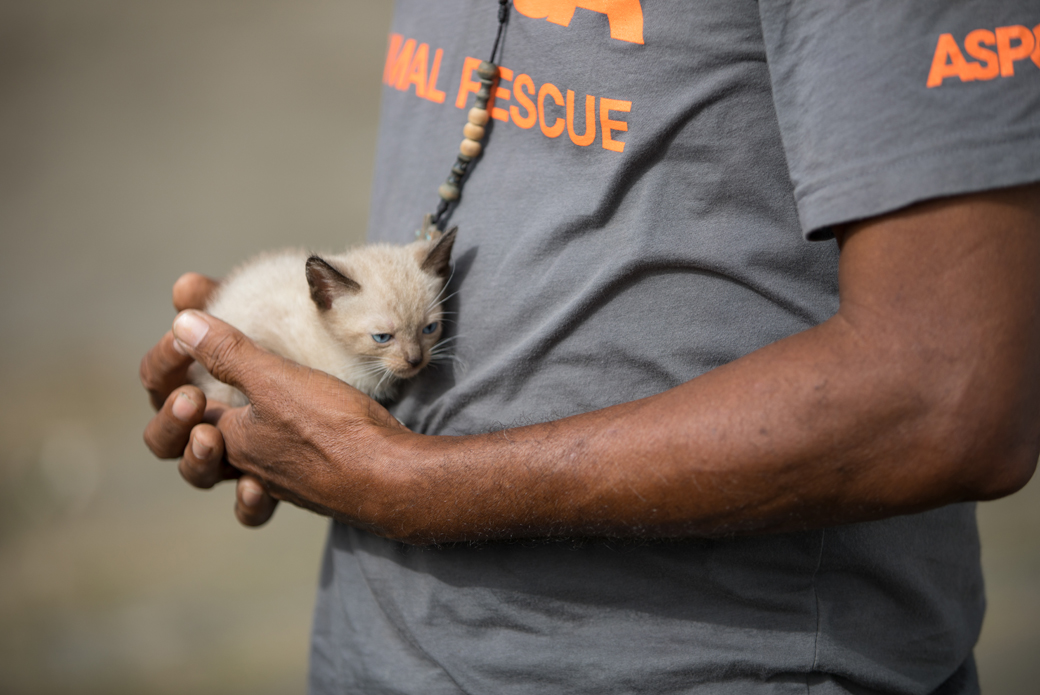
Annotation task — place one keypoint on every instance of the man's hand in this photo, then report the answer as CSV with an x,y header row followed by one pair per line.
x,y
184,425
307,435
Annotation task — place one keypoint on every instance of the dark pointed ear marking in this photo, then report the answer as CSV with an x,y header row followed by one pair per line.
x,y
327,283
438,260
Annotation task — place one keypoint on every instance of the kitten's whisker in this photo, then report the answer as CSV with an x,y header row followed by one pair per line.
x,y
372,370
447,283
380,382
443,360
445,341
444,354
442,301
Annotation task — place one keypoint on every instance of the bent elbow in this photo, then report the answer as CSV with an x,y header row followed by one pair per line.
x,y
973,444
994,459
1003,476
984,424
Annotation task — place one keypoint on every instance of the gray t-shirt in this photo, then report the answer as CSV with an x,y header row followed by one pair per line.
x,y
638,218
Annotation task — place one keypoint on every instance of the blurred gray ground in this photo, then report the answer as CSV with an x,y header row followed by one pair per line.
x,y
140,139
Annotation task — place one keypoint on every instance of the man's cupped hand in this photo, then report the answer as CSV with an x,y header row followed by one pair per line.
x,y
305,436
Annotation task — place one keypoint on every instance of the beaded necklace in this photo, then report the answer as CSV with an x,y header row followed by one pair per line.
x,y
451,190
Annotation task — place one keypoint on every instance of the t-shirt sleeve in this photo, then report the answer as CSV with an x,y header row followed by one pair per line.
x,y
882,104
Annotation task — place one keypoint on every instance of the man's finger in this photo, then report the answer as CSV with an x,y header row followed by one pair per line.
x,y
163,369
226,352
192,291
167,433
253,506
203,465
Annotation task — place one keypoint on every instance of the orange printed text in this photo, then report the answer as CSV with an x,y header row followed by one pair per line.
x,y
991,54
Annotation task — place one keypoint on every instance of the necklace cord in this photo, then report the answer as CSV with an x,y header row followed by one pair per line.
x,y
503,15
451,190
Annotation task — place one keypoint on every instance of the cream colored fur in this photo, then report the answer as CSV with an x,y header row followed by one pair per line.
x,y
269,299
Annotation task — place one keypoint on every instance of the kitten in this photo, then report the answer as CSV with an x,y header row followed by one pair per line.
x,y
370,317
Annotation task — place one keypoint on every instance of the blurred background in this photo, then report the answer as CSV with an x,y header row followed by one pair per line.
x,y
140,139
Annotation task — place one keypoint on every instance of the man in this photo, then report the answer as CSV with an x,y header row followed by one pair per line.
x,y
779,480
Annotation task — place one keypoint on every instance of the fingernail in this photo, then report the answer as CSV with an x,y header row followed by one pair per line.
x,y
201,451
190,328
183,407
251,494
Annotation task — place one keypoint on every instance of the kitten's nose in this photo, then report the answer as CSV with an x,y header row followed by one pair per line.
x,y
414,361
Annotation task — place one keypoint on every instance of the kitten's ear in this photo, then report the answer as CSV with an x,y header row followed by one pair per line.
x,y
327,283
438,260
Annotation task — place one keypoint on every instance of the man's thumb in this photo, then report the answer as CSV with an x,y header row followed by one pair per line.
x,y
223,350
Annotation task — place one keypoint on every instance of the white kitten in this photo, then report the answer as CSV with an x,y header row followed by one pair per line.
x,y
369,317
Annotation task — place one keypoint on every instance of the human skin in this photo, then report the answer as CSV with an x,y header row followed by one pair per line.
x,y
922,390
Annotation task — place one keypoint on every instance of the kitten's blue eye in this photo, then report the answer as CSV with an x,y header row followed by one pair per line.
x,y
381,337
430,328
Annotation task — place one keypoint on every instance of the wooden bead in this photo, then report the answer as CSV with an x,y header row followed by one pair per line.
x,y
478,116
487,71
448,191
473,132
470,148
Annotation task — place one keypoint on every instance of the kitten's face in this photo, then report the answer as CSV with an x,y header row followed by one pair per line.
x,y
383,303
399,341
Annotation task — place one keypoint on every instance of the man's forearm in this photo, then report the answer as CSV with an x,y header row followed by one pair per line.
x,y
921,391
789,437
